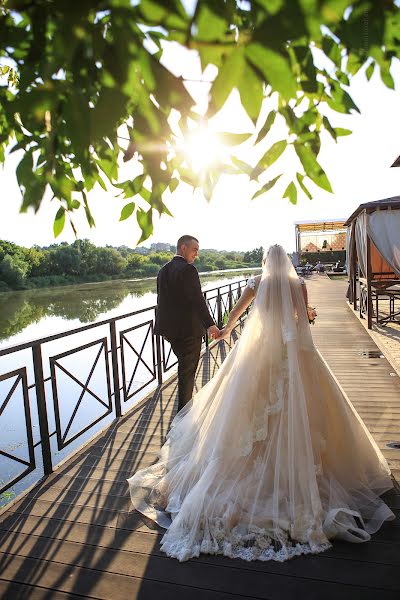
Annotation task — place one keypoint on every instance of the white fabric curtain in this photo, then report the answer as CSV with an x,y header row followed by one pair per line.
x,y
384,230
349,248
361,241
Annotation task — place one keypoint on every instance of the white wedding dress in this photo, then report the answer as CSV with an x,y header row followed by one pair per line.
x,y
269,460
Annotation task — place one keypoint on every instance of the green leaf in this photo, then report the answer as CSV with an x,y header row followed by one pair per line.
x,y
131,188
33,190
300,178
267,126
59,221
340,131
173,184
89,216
208,188
370,70
127,211
331,49
243,166
341,101
329,128
272,6
75,204
145,194
312,168
228,169
62,186
145,221
251,92
291,193
233,139
210,26
229,75
271,155
24,169
275,67
386,77
266,187
109,168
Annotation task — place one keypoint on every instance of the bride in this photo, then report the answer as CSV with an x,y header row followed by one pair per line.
x,y
269,460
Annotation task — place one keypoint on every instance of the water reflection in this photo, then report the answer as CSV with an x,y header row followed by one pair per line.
x,y
38,312
84,303
78,389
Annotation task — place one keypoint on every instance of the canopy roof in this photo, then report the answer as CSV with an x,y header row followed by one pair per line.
x,y
308,226
376,205
396,162
376,230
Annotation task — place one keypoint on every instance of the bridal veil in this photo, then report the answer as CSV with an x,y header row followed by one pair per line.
x,y
270,459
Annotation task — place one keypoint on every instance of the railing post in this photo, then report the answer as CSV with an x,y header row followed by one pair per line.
x,y
114,360
158,359
206,336
219,309
42,409
230,297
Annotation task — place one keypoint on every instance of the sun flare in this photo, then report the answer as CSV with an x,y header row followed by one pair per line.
x,y
203,149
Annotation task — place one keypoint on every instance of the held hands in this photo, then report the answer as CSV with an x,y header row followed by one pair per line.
x,y
213,332
224,333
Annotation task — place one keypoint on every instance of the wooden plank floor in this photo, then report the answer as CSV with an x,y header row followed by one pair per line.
x,y
74,536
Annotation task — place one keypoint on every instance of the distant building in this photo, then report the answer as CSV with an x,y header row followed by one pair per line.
x,y
142,250
319,237
160,247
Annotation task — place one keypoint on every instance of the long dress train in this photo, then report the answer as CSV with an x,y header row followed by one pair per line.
x,y
269,460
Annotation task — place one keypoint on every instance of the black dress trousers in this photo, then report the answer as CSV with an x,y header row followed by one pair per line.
x,y
187,351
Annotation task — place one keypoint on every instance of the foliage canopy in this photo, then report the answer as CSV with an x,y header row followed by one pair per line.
x,y
73,73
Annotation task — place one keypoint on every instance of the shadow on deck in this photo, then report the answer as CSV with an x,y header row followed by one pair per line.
x,y
73,535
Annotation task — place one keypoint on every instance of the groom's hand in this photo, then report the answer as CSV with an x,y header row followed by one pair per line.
x,y
213,332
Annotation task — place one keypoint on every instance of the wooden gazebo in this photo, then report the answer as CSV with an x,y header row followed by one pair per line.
x,y
373,257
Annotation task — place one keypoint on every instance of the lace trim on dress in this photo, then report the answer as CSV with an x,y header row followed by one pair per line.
x,y
248,543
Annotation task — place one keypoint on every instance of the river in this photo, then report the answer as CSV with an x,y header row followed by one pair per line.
x,y
37,313
78,396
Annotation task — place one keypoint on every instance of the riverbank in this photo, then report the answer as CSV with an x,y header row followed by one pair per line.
x,y
62,281
29,314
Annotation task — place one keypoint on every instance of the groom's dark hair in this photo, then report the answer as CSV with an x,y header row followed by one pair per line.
x,y
186,239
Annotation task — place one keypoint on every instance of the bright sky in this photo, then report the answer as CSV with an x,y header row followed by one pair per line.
x,y
358,167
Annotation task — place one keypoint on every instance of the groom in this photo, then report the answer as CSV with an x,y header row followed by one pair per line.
x,y
182,313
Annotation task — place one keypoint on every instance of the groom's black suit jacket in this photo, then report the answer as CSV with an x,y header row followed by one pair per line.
x,y
182,311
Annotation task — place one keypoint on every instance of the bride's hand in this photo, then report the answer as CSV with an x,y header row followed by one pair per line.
x,y
225,333
312,313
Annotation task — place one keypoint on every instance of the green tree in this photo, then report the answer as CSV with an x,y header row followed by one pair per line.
x,y
160,258
63,260
88,257
220,263
135,261
254,256
13,270
110,261
74,73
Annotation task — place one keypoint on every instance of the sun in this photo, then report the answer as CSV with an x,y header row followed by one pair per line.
x,y
203,149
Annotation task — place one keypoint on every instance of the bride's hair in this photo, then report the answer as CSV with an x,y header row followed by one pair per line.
x,y
279,301
276,260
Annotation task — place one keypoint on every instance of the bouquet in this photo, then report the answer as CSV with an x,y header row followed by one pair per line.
x,y
312,313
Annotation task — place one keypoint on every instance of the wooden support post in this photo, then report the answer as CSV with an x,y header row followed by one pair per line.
x,y
369,277
354,265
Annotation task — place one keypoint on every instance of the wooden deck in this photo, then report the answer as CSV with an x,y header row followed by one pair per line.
x,y
73,536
